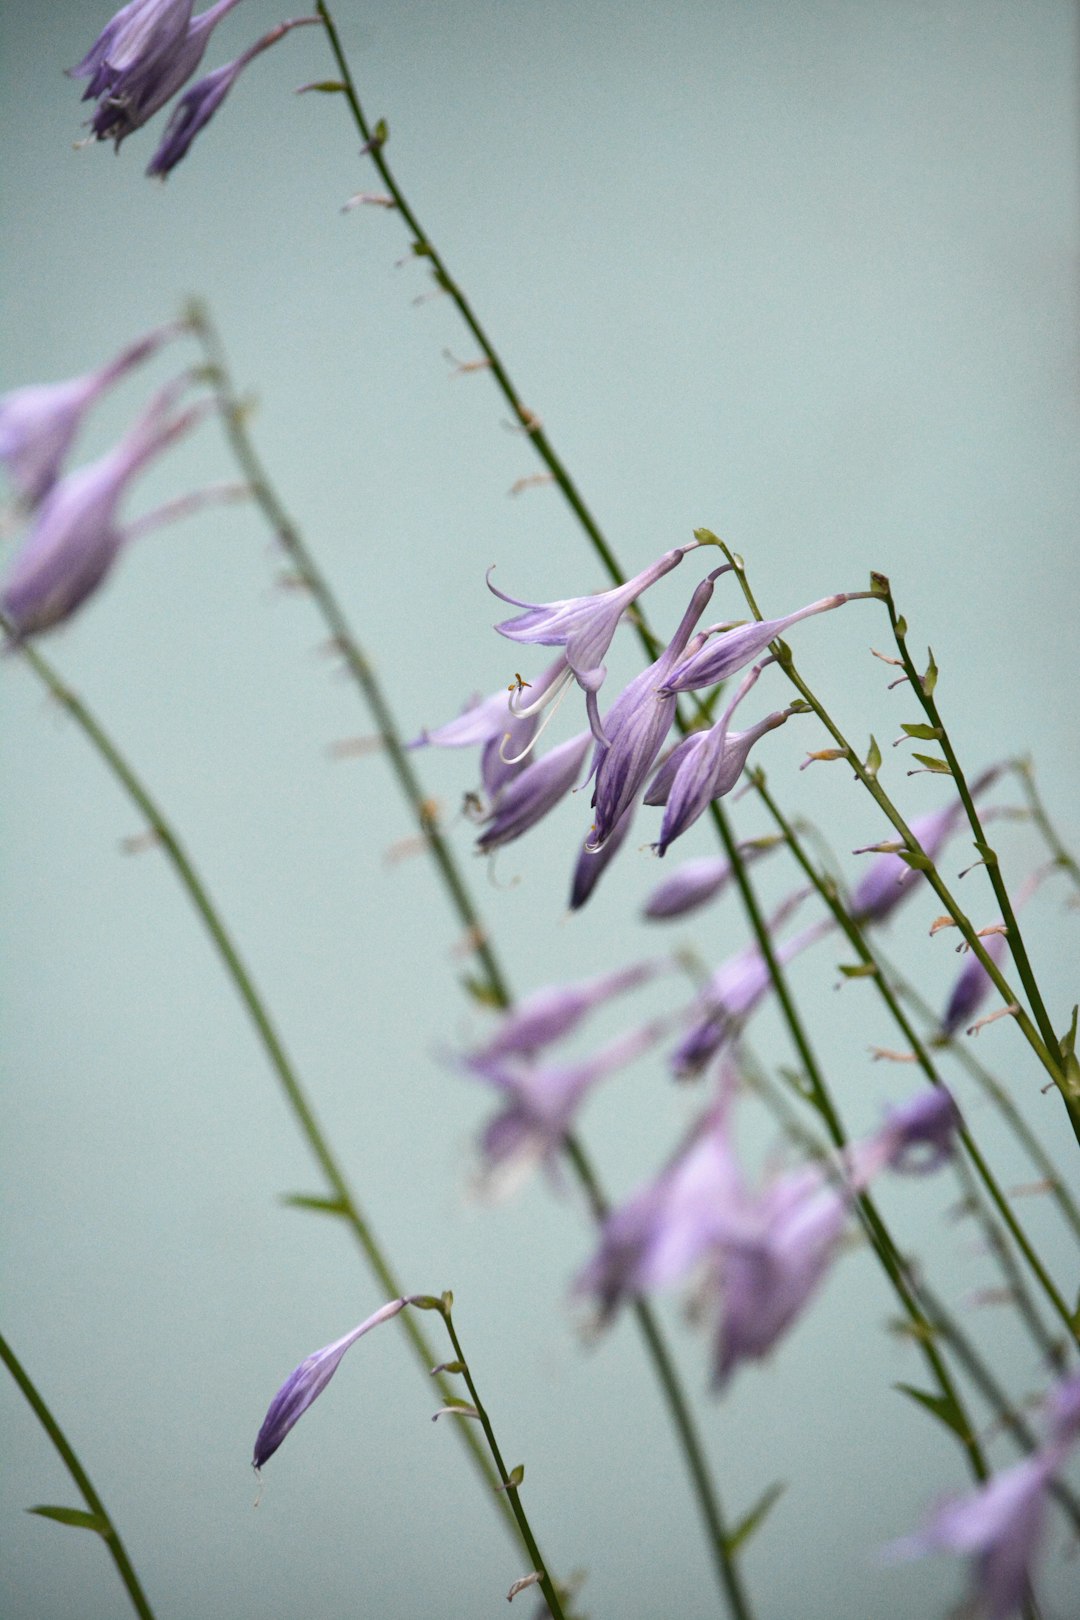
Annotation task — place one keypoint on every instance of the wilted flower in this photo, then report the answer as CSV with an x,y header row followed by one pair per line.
x,y
636,725
77,537
550,1014
525,800
38,424
307,1382
716,660
1000,1524
199,104
584,625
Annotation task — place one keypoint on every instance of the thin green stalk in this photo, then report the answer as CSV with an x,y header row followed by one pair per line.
x,y
341,1201
509,1481
106,1529
1025,770
856,938
308,572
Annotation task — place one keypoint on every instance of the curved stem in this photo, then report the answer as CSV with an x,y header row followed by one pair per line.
x,y
341,1202
109,1534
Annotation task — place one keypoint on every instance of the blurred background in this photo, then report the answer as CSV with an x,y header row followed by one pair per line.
x,y
805,273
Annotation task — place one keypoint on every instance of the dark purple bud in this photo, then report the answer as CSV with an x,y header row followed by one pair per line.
x,y
593,863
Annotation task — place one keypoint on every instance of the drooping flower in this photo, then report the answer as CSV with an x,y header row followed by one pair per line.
x,y
136,39
38,424
636,725
733,650
696,882
528,797
705,766
77,535
1000,1524
591,864
973,985
584,625
199,104
541,1101
130,94
504,739
307,1382
550,1014
733,992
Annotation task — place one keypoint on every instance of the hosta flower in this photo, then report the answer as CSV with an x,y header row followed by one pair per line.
x,y
695,883
584,625
504,739
636,725
591,864
1000,1525
705,766
38,424
135,40
307,1382
77,534
550,1014
973,985
525,800
733,650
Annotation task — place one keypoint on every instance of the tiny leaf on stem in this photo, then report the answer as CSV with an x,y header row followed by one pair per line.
x,y
78,1518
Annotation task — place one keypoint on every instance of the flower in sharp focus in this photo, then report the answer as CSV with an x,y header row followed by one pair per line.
x,y
636,725
307,1382
504,739
584,625
528,797
591,864
550,1014
733,650
1000,1524
38,424
77,535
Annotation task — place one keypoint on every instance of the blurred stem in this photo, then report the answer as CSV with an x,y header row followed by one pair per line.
x,y
829,894
457,889
109,1534
509,1484
341,1202
1025,770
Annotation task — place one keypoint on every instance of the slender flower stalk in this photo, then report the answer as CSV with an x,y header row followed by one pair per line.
x,y
97,1517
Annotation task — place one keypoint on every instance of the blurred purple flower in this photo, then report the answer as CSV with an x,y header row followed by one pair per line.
x,y
77,536
972,986
307,1382
550,1014
1001,1523
584,625
38,424
636,725
137,38
525,800
696,882
716,660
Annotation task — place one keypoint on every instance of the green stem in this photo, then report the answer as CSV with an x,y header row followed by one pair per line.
x,y
110,1535
509,1485
829,894
341,1203
1025,770
295,547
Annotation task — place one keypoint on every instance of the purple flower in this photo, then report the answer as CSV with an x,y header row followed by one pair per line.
x,y
550,1014
591,864
704,767
734,991
889,879
1000,1524
77,536
917,1137
541,1101
695,883
584,625
972,986
636,725
716,660
131,92
138,37
525,800
307,1382
38,424
503,738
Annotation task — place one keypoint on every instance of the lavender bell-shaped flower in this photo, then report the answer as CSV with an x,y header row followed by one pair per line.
x,y
591,864
716,660
77,535
38,424
307,1382
139,36
636,725
525,800
503,738
584,625
696,882
1000,1524
550,1014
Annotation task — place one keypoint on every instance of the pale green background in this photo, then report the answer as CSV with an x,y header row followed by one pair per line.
x,y
803,272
